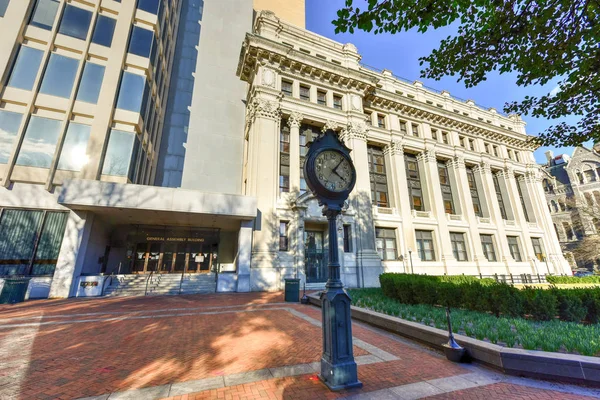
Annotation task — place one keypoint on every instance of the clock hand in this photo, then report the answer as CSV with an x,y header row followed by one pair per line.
x,y
344,179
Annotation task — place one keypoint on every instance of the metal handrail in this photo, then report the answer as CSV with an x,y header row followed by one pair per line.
x,y
181,280
104,283
147,280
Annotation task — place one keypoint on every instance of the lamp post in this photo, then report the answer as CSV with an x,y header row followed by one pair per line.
x,y
411,264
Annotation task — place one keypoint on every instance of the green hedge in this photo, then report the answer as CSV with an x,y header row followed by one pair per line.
x,y
485,295
573,280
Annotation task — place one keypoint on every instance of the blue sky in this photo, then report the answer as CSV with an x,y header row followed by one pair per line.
x,y
400,53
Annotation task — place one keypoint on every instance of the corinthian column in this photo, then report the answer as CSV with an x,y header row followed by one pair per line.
x,y
294,122
355,137
263,160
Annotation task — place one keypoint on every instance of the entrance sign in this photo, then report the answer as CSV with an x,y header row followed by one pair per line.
x,y
331,176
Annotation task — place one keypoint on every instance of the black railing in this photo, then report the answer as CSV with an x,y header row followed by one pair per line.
x,y
315,264
517,278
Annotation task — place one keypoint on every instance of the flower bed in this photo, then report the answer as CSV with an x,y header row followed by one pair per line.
x,y
555,336
485,295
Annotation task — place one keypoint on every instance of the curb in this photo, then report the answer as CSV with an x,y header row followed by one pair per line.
x,y
560,367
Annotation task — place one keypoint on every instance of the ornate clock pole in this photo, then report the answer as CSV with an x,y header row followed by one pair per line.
x,y
331,176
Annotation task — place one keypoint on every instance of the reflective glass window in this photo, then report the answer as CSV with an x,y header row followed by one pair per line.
x,y
26,68
104,31
73,154
75,22
9,126
50,239
131,92
3,7
140,42
39,143
118,153
91,82
59,76
44,14
148,5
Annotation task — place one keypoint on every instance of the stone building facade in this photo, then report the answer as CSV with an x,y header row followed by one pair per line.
x,y
572,188
443,186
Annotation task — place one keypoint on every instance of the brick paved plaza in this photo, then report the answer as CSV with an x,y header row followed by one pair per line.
x,y
237,346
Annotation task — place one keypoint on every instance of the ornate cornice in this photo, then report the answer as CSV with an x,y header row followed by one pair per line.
x,y
295,119
427,156
355,131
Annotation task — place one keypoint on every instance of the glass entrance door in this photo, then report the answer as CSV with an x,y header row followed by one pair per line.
x,y
169,254
315,258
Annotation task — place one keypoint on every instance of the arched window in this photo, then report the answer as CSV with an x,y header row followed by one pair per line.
x,y
562,205
554,206
568,231
580,177
590,175
550,208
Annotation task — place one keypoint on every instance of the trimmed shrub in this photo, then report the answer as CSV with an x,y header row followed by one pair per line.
x,y
505,299
542,305
573,280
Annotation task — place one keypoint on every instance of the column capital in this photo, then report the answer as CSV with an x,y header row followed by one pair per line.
x,y
507,173
295,119
428,155
355,130
264,108
483,168
395,147
456,163
533,173
330,125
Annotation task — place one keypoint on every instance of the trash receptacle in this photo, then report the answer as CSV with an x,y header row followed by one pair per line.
x,y
14,290
292,290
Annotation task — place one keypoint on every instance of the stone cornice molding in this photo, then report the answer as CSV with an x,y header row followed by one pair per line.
x,y
330,125
427,156
355,130
295,119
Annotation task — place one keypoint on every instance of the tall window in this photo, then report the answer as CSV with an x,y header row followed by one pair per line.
x,y
75,22
39,143
487,242
445,138
337,102
25,68
459,247
403,128
307,134
415,130
322,97
434,134
446,188
380,121
377,175
499,197
283,236
131,92
513,245
150,6
522,199
538,249
347,239
284,158
73,154
425,245
413,181
119,156
91,83
3,7
30,241
104,31
386,243
44,13
474,192
140,42
59,76
568,231
9,126
305,92
286,87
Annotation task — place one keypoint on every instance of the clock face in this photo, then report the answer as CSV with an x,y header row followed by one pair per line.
x,y
333,171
